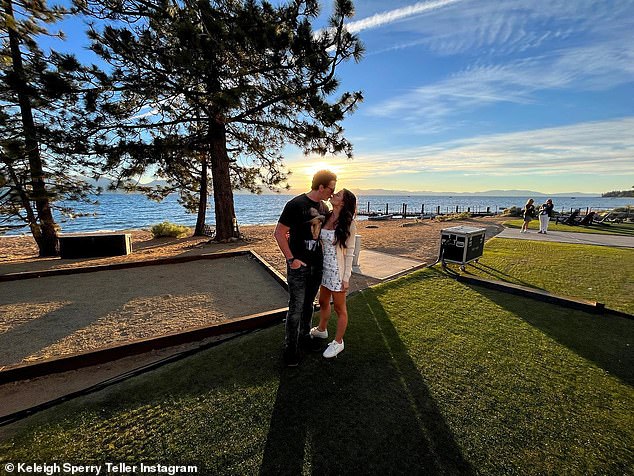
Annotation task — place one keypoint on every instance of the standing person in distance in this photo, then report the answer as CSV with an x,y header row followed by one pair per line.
x,y
337,236
545,212
297,235
528,213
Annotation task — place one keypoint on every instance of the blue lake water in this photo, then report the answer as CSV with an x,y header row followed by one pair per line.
x,y
129,211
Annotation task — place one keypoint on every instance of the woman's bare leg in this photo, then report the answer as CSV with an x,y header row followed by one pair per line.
x,y
342,314
324,307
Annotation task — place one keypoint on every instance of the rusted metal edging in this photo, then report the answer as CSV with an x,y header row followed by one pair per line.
x,y
279,277
17,372
117,266
573,303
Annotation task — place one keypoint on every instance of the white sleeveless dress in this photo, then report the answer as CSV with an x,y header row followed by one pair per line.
x,y
330,278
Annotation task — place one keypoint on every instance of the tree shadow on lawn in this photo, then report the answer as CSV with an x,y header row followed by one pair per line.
x,y
499,275
234,406
604,339
623,229
368,411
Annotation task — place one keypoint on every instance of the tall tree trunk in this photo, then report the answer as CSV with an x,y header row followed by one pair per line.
x,y
202,202
24,198
221,180
44,232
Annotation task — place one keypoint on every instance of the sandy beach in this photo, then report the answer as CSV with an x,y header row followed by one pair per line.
x,y
408,238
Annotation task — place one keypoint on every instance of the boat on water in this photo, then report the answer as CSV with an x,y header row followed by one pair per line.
x,y
380,217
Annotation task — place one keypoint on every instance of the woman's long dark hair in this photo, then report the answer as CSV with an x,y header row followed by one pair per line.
x,y
346,215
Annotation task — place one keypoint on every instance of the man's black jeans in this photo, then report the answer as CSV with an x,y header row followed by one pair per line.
x,y
303,284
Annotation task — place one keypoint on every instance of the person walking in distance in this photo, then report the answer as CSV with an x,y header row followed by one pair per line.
x,y
297,235
337,236
528,214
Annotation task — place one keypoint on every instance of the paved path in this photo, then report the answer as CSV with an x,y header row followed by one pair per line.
x,y
570,237
382,265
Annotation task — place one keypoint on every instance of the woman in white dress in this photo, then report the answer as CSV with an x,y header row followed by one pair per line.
x,y
337,237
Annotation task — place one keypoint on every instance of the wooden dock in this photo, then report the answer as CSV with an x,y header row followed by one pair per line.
x,y
424,212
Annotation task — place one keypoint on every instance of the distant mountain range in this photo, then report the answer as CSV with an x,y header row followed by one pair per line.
x,y
105,183
487,193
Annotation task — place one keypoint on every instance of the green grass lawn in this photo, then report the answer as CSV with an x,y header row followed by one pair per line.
x,y
597,273
605,229
437,378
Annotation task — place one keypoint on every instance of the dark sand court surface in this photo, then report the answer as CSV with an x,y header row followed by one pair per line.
x,y
55,316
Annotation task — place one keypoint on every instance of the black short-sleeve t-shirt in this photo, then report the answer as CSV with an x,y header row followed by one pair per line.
x,y
305,218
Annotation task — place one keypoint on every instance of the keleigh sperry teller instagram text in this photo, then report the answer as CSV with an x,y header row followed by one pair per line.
x,y
50,469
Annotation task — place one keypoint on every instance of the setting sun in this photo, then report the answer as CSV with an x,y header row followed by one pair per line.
x,y
310,169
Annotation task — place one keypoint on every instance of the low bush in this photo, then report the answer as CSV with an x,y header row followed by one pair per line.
x,y
512,212
169,229
453,216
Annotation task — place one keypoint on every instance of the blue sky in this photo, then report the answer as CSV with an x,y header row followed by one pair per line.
x,y
474,95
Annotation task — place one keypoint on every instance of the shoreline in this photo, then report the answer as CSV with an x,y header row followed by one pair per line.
x,y
409,238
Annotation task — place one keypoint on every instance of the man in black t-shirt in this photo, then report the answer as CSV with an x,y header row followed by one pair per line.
x,y
297,235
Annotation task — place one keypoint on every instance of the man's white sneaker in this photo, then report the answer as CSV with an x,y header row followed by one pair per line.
x,y
315,332
333,349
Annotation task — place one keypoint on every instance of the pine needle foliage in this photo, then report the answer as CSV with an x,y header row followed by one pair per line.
x,y
40,94
222,85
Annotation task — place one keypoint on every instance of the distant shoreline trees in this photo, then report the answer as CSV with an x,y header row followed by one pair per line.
x,y
617,193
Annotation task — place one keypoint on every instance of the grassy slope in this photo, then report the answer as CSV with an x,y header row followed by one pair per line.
x,y
589,272
605,229
436,377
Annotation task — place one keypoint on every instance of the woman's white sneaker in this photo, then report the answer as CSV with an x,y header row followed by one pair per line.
x,y
315,332
333,349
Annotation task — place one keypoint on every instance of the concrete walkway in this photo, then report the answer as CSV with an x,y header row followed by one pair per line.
x,y
570,237
382,265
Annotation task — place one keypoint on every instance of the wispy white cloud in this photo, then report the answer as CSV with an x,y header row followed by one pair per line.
x,y
391,16
503,27
593,67
523,48
591,148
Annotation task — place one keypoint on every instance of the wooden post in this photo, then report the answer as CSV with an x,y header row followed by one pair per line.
x,y
422,209
489,209
438,210
387,205
457,208
405,210
368,208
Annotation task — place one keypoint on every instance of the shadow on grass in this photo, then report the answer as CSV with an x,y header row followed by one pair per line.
x,y
367,411
234,409
625,229
611,228
499,275
606,340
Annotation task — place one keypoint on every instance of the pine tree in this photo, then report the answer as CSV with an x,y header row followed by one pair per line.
x,y
229,84
38,95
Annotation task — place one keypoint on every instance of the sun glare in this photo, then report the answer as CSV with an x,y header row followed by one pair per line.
x,y
314,167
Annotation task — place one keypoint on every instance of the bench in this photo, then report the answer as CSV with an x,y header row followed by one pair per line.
x,y
94,245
